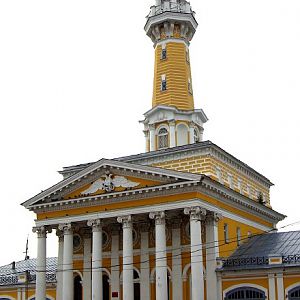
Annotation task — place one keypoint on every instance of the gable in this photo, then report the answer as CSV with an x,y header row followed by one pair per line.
x,y
107,176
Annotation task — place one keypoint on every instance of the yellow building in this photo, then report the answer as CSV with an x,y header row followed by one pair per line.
x,y
184,220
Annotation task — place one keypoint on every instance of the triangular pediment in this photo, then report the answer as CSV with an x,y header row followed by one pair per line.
x,y
106,177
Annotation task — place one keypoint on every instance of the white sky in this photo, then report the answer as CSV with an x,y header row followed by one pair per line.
x,y
76,76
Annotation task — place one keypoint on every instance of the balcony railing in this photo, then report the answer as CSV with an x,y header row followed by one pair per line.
x,y
169,6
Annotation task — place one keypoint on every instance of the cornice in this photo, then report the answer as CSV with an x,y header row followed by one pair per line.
x,y
205,186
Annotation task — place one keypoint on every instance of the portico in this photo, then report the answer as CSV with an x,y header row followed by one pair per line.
x,y
156,226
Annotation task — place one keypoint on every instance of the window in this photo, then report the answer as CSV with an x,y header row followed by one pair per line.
x,y
196,136
190,88
245,293
240,187
230,181
294,294
226,235
238,236
163,83
163,52
219,174
187,54
163,137
248,190
249,233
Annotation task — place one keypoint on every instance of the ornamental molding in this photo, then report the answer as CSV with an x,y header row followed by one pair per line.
x,y
92,172
66,228
196,213
159,217
42,231
126,221
96,225
206,186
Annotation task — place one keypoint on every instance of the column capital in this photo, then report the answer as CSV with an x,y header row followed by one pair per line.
x,y
151,126
159,217
196,213
96,224
41,231
172,123
126,221
146,133
212,218
66,228
59,234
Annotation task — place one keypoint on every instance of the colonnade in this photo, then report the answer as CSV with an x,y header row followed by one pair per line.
x,y
65,289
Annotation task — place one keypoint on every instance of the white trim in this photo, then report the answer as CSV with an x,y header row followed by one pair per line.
x,y
33,297
152,274
171,40
290,287
152,208
246,285
78,273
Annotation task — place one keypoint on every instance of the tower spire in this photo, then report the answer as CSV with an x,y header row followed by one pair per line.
x,y
173,119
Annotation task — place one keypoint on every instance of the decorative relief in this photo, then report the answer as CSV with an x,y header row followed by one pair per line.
x,y
109,183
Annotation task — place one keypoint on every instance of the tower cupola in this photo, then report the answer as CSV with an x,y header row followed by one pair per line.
x,y
173,119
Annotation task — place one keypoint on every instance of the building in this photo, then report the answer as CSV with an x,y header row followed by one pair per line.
x,y
184,220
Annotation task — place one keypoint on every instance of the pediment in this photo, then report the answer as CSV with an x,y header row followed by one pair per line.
x,y
106,177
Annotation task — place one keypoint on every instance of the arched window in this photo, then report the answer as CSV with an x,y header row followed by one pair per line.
x,y
196,136
245,293
294,294
163,138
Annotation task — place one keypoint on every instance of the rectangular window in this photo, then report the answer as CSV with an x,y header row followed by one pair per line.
x,y
230,181
226,234
163,52
190,88
187,54
240,187
238,236
249,190
219,174
163,83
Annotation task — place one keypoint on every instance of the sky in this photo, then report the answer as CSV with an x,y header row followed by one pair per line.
x,y
76,77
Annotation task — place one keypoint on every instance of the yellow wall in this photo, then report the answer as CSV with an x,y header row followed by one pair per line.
x,y
177,71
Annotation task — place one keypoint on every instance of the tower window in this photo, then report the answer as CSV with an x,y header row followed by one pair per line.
x,y
196,136
187,54
190,88
163,138
163,52
163,83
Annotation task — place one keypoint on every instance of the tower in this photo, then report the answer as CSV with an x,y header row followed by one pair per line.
x,y
172,120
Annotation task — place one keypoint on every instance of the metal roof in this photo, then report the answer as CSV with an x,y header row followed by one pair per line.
x,y
257,251
9,274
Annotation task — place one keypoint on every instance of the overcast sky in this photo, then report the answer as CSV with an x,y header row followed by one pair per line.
x,y
76,76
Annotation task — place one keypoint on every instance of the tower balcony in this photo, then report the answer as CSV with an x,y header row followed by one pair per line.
x,y
169,6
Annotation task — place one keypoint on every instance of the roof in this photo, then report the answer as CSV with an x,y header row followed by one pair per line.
x,y
140,158
259,250
9,274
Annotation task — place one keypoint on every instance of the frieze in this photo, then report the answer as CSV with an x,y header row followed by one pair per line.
x,y
141,194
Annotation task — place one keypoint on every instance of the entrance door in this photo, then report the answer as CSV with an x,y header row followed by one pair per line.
x,y
105,282
77,288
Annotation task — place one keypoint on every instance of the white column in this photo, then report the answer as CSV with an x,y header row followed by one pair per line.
x,y
127,257
152,137
272,287
176,261
145,265
160,255
115,262
172,134
87,265
19,295
212,253
68,283
146,134
219,287
40,289
97,285
201,134
280,286
59,273
191,130
196,215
